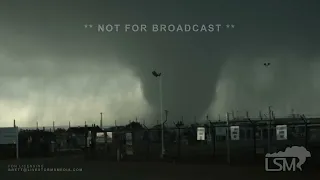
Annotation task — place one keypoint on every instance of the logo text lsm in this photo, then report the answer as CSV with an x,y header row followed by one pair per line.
x,y
282,164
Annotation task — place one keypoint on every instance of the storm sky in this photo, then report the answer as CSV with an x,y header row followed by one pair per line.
x,y
52,68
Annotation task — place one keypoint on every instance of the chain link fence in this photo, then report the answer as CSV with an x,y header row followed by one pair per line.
x,y
257,137
135,142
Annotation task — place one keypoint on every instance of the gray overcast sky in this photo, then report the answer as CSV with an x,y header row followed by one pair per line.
x,y
52,68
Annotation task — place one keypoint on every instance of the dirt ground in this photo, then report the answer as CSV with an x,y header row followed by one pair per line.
x,y
144,170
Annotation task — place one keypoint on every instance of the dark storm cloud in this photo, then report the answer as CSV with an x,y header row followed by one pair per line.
x,y
192,63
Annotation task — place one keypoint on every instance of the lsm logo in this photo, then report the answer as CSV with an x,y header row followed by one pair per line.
x,y
289,160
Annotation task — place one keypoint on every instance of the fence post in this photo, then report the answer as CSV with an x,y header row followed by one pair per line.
x,y
179,143
254,130
148,140
228,140
86,141
269,127
213,136
306,129
306,135
118,154
148,144
178,125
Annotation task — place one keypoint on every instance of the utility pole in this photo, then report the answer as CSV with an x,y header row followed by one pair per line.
x,y
53,127
158,75
37,125
161,118
101,121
